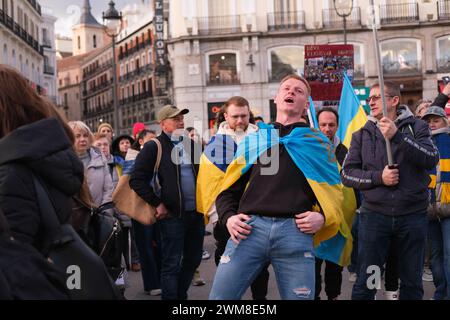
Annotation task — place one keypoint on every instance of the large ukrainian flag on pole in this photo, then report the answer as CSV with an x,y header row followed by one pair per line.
x,y
313,154
352,116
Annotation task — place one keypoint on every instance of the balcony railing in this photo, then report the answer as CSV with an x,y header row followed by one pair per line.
x,y
222,80
49,70
294,20
443,65
444,9
136,98
139,47
94,71
331,19
36,6
149,67
102,109
219,25
46,42
14,27
97,88
399,13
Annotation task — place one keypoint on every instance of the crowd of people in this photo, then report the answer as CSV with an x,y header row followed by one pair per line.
x,y
260,217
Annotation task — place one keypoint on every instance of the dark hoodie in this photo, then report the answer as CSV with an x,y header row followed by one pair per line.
x,y
414,152
43,148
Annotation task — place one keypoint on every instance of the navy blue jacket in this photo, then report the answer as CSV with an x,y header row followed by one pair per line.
x,y
414,152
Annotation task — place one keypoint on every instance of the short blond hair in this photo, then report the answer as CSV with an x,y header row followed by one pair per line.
x,y
80,125
297,77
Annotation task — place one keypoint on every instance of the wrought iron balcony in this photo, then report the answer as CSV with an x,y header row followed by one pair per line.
x,y
399,13
444,9
294,20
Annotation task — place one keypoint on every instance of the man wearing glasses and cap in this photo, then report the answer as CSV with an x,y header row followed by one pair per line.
x,y
182,227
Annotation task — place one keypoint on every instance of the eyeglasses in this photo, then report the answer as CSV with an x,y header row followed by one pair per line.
x,y
376,98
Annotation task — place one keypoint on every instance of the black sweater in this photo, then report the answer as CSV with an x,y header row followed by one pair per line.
x,y
284,194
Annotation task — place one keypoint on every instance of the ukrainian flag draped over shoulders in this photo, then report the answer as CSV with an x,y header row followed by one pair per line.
x,y
352,116
313,154
213,164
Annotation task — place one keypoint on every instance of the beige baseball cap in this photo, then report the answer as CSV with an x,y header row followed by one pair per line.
x,y
170,111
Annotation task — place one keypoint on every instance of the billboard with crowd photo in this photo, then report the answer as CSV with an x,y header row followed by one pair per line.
x,y
324,67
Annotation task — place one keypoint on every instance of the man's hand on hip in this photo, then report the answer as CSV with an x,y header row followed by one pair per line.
x,y
309,222
237,227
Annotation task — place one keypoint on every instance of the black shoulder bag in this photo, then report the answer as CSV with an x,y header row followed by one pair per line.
x,y
86,275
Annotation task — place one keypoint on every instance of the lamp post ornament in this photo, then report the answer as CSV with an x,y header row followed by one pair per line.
x,y
112,20
343,9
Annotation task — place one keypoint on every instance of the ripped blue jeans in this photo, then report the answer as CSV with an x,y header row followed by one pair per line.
x,y
272,240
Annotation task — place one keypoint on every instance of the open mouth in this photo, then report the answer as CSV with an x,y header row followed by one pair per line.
x,y
289,100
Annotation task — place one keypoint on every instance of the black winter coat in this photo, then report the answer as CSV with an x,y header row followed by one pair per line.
x,y
169,174
43,148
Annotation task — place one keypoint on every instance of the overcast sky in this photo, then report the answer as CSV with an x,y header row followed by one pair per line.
x,y
68,11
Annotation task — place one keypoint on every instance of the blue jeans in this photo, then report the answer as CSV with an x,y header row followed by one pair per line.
x,y
376,232
182,247
149,255
274,240
439,237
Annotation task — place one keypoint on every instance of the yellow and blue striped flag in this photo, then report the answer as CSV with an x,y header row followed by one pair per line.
x,y
313,154
218,154
351,114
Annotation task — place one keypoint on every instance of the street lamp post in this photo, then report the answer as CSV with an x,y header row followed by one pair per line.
x,y
343,9
112,20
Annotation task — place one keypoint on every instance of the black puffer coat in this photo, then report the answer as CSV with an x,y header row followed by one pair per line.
x,y
43,148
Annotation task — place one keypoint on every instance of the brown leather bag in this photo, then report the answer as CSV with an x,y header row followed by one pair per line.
x,y
127,201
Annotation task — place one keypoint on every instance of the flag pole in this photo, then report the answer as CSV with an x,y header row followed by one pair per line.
x,y
380,77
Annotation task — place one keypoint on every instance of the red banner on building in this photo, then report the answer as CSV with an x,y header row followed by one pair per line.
x,y
324,67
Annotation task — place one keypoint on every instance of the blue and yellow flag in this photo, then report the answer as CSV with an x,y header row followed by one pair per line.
x,y
312,109
218,154
442,195
351,114
313,154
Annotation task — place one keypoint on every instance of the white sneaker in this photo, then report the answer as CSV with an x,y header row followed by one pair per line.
x,y
352,277
155,292
427,275
205,255
391,295
120,281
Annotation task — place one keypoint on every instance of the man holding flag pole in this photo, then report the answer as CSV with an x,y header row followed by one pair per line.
x,y
395,197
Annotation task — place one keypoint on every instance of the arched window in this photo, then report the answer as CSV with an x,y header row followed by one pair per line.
x,y
401,56
79,42
223,68
284,61
94,41
443,54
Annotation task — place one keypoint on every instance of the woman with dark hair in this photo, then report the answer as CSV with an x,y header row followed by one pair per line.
x,y
33,140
